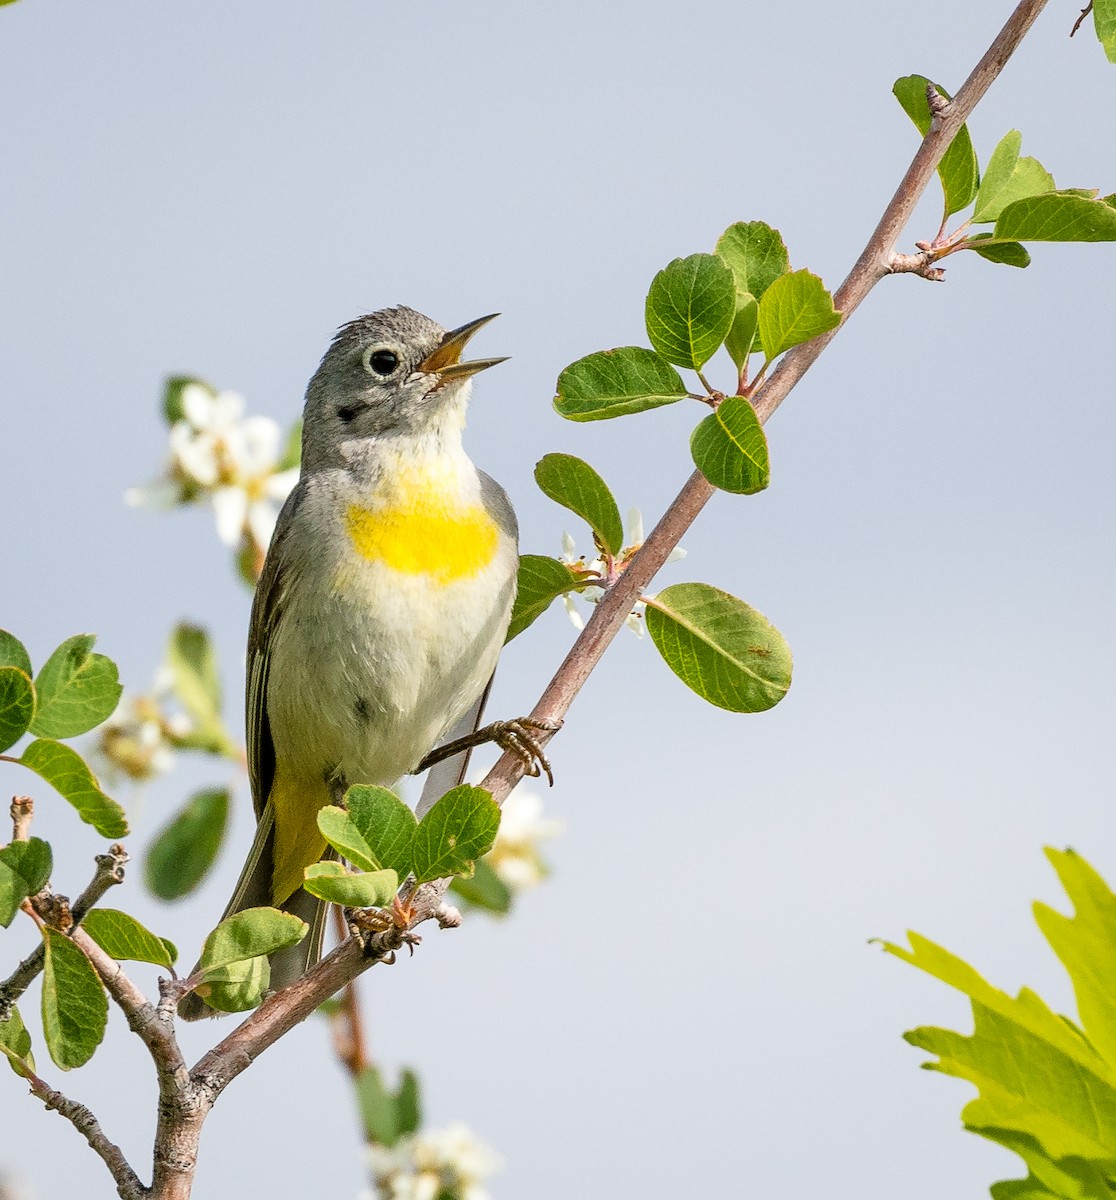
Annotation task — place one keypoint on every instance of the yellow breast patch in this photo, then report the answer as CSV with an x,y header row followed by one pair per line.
x,y
425,537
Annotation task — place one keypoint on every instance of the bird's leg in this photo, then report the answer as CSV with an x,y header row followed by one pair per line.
x,y
515,737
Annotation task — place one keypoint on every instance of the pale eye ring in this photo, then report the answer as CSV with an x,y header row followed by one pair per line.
x,y
380,360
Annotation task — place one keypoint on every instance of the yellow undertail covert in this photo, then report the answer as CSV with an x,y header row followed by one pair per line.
x,y
425,539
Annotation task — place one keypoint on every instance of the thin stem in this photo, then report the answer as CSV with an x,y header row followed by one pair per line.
x,y
347,1024
22,810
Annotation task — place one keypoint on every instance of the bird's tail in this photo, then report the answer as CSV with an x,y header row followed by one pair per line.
x,y
253,890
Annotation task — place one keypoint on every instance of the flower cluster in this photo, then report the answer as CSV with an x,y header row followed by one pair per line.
x,y
598,569
446,1164
232,462
515,856
139,740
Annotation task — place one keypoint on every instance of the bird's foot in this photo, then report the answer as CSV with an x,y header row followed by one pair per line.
x,y
518,737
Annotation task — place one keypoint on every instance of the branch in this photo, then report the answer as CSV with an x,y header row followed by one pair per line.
x,y
22,810
128,1185
875,263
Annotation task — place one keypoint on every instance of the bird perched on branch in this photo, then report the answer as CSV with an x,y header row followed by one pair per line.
x,y
382,606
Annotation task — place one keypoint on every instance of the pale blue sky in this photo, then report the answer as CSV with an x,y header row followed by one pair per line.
x,y
689,1006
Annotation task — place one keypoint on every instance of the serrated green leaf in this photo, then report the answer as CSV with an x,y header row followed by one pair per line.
x,y
238,986
65,770
185,848
175,385
193,663
13,653
1009,178
75,1009
729,448
756,255
720,647
573,483
541,581
25,868
458,830
958,171
485,889
15,1044
1067,1179
794,309
17,705
1011,254
1063,216
742,337
336,826
612,383
250,933
1104,22
365,889
690,307
75,691
122,937
385,823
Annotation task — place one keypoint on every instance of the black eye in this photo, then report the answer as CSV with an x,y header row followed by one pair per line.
x,y
383,362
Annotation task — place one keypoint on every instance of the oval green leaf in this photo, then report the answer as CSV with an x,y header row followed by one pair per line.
x,y
572,482
17,705
729,448
15,1044
75,691
720,647
1009,178
13,653
25,869
612,383
337,827
185,848
65,770
1064,216
690,308
364,889
122,937
987,245
755,254
458,830
541,581
742,337
386,824
197,681
484,890
794,309
250,933
75,1009
958,171
238,986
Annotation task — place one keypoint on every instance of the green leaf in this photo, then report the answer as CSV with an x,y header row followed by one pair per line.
x,y
541,581
717,645
1063,216
385,823
125,939
690,307
958,170
612,383
574,484
336,826
729,448
366,889
25,868
794,309
13,653
408,1105
238,986
193,663
1104,22
172,395
1009,178
250,933
75,691
65,770
484,890
15,1044
756,255
458,830
987,245
17,705
75,1009
741,340
387,1115
185,848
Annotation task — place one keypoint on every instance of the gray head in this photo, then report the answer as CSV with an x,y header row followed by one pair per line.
x,y
390,373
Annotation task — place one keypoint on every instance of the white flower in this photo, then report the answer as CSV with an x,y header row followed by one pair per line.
x,y
448,1163
140,738
515,856
633,539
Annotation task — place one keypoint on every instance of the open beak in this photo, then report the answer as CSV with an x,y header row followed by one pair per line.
x,y
446,359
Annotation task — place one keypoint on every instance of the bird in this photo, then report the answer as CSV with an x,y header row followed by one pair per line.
x,y
381,608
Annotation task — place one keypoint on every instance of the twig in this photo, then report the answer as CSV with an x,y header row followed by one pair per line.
x,y
110,871
1084,13
22,810
128,1185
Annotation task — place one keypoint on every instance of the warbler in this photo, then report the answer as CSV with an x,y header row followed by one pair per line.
x,y
382,605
